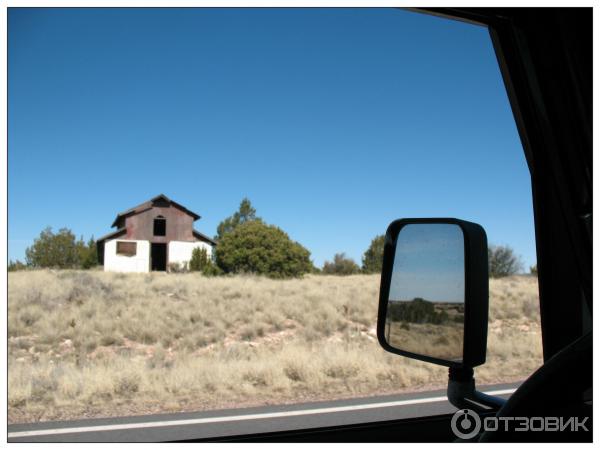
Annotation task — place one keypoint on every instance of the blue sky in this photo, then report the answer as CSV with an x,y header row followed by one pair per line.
x,y
429,264
334,122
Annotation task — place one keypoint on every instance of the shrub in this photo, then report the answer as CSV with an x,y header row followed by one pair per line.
x,y
127,384
13,266
341,265
211,270
200,262
533,269
176,267
199,258
58,250
416,311
61,251
372,260
503,262
255,247
88,254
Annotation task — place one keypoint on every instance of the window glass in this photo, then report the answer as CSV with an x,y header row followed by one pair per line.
x,y
289,139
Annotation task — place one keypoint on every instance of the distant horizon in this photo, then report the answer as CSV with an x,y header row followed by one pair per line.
x,y
333,122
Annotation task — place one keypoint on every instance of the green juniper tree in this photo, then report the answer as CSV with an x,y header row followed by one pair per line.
x,y
245,213
372,260
255,247
201,262
503,262
56,250
341,265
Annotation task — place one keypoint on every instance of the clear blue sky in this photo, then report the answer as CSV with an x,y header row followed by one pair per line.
x,y
429,264
333,122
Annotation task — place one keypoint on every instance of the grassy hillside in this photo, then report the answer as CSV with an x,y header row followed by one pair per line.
x,y
90,344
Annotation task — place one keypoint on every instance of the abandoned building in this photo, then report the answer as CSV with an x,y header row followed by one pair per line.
x,y
155,235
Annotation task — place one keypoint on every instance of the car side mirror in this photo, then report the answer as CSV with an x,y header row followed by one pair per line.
x,y
433,302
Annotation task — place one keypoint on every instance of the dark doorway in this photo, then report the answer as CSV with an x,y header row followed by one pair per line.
x,y
158,257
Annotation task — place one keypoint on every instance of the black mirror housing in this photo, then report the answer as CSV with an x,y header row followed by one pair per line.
x,y
476,291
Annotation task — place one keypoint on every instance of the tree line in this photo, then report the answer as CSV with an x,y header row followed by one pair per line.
x,y
60,250
245,244
417,310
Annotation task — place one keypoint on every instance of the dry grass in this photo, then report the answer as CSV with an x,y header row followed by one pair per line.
x,y
439,341
89,344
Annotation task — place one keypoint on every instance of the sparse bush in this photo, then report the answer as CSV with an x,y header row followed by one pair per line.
x,y
211,270
178,267
248,333
55,250
255,247
417,310
42,387
533,270
295,371
341,370
88,254
200,262
341,265
30,316
107,340
503,262
14,266
372,260
61,251
127,384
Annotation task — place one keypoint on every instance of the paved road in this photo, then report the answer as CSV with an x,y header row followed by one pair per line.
x,y
211,424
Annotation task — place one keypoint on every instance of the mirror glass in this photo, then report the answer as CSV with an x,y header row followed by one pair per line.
x,y
426,303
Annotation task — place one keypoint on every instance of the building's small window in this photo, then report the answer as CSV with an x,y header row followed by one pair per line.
x,y
126,248
160,226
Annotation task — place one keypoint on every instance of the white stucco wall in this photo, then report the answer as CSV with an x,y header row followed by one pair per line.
x,y
180,252
120,263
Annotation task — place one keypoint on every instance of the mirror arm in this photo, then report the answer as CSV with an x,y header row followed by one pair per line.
x,y
462,393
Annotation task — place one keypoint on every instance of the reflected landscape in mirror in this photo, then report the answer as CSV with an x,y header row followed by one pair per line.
x,y
425,313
